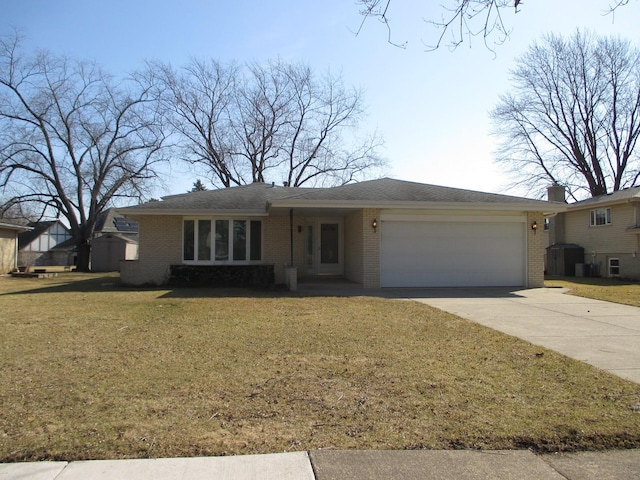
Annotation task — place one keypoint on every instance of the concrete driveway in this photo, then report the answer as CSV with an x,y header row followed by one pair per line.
x,y
603,334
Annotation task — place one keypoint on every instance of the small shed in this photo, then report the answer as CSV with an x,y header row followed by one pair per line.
x,y
562,259
108,250
9,245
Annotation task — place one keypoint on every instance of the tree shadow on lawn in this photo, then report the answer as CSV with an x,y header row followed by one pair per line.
x,y
94,283
110,282
595,281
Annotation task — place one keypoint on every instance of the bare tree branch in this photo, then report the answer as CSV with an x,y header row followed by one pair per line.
x,y
274,121
574,115
460,20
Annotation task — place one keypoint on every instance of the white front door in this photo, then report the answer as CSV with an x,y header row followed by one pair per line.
x,y
324,247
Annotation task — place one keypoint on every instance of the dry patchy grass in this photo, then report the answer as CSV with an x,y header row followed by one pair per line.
x,y
91,370
608,289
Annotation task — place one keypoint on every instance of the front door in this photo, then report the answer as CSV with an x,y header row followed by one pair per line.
x,y
324,247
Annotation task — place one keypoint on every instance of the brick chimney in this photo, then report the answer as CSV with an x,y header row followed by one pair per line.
x,y
556,193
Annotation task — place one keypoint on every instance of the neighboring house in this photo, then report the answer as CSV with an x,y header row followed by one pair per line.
x,y
115,239
606,228
46,244
379,233
9,245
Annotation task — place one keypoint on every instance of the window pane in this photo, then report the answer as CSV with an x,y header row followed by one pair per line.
x,y
188,240
239,240
256,240
329,243
614,266
204,239
222,239
309,246
601,216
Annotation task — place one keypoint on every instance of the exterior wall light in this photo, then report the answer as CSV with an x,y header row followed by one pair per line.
x,y
374,224
534,226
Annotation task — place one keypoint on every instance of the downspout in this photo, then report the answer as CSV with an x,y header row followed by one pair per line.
x,y
291,235
15,257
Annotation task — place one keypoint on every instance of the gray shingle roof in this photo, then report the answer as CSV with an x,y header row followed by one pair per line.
x,y
632,193
110,222
391,190
256,197
253,197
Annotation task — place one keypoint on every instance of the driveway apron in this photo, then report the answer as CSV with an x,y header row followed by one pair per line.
x,y
603,334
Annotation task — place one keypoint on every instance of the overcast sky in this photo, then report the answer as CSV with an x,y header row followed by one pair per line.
x,y
431,107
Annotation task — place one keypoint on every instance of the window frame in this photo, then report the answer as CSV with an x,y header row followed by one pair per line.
x,y
593,217
250,237
610,267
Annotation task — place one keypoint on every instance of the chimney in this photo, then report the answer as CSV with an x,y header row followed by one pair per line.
x,y
556,193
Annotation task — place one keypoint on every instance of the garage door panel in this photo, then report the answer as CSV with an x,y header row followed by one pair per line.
x,y
434,254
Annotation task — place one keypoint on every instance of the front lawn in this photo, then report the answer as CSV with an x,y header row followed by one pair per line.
x,y
608,289
91,370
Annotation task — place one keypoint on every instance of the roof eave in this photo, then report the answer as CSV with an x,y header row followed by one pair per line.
x,y
18,228
547,208
186,212
604,202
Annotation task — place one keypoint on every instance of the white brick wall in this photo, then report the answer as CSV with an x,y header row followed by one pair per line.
x,y
160,246
536,242
371,248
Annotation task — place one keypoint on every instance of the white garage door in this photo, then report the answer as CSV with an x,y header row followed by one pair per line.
x,y
476,252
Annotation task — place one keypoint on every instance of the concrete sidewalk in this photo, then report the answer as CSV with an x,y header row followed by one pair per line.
x,y
603,334
345,465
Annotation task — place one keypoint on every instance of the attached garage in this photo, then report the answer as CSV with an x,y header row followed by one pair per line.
x,y
455,251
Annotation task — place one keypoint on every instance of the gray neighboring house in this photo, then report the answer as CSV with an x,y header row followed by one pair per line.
x,y
378,233
46,244
115,239
9,245
598,236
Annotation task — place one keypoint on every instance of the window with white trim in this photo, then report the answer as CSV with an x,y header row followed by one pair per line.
x,y
221,240
600,216
614,267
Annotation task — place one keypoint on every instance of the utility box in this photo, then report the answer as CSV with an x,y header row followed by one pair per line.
x,y
563,260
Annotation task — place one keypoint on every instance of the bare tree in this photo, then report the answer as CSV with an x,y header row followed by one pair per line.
x,y
72,140
197,98
274,121
573,116
460,19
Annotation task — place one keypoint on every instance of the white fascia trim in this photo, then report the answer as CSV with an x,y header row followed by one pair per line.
x,y
18,228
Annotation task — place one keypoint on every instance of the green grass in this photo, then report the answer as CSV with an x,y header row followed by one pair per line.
x,y
94,371
608,289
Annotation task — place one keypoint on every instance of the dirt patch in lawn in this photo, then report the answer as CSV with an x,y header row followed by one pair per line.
x,y
94,371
